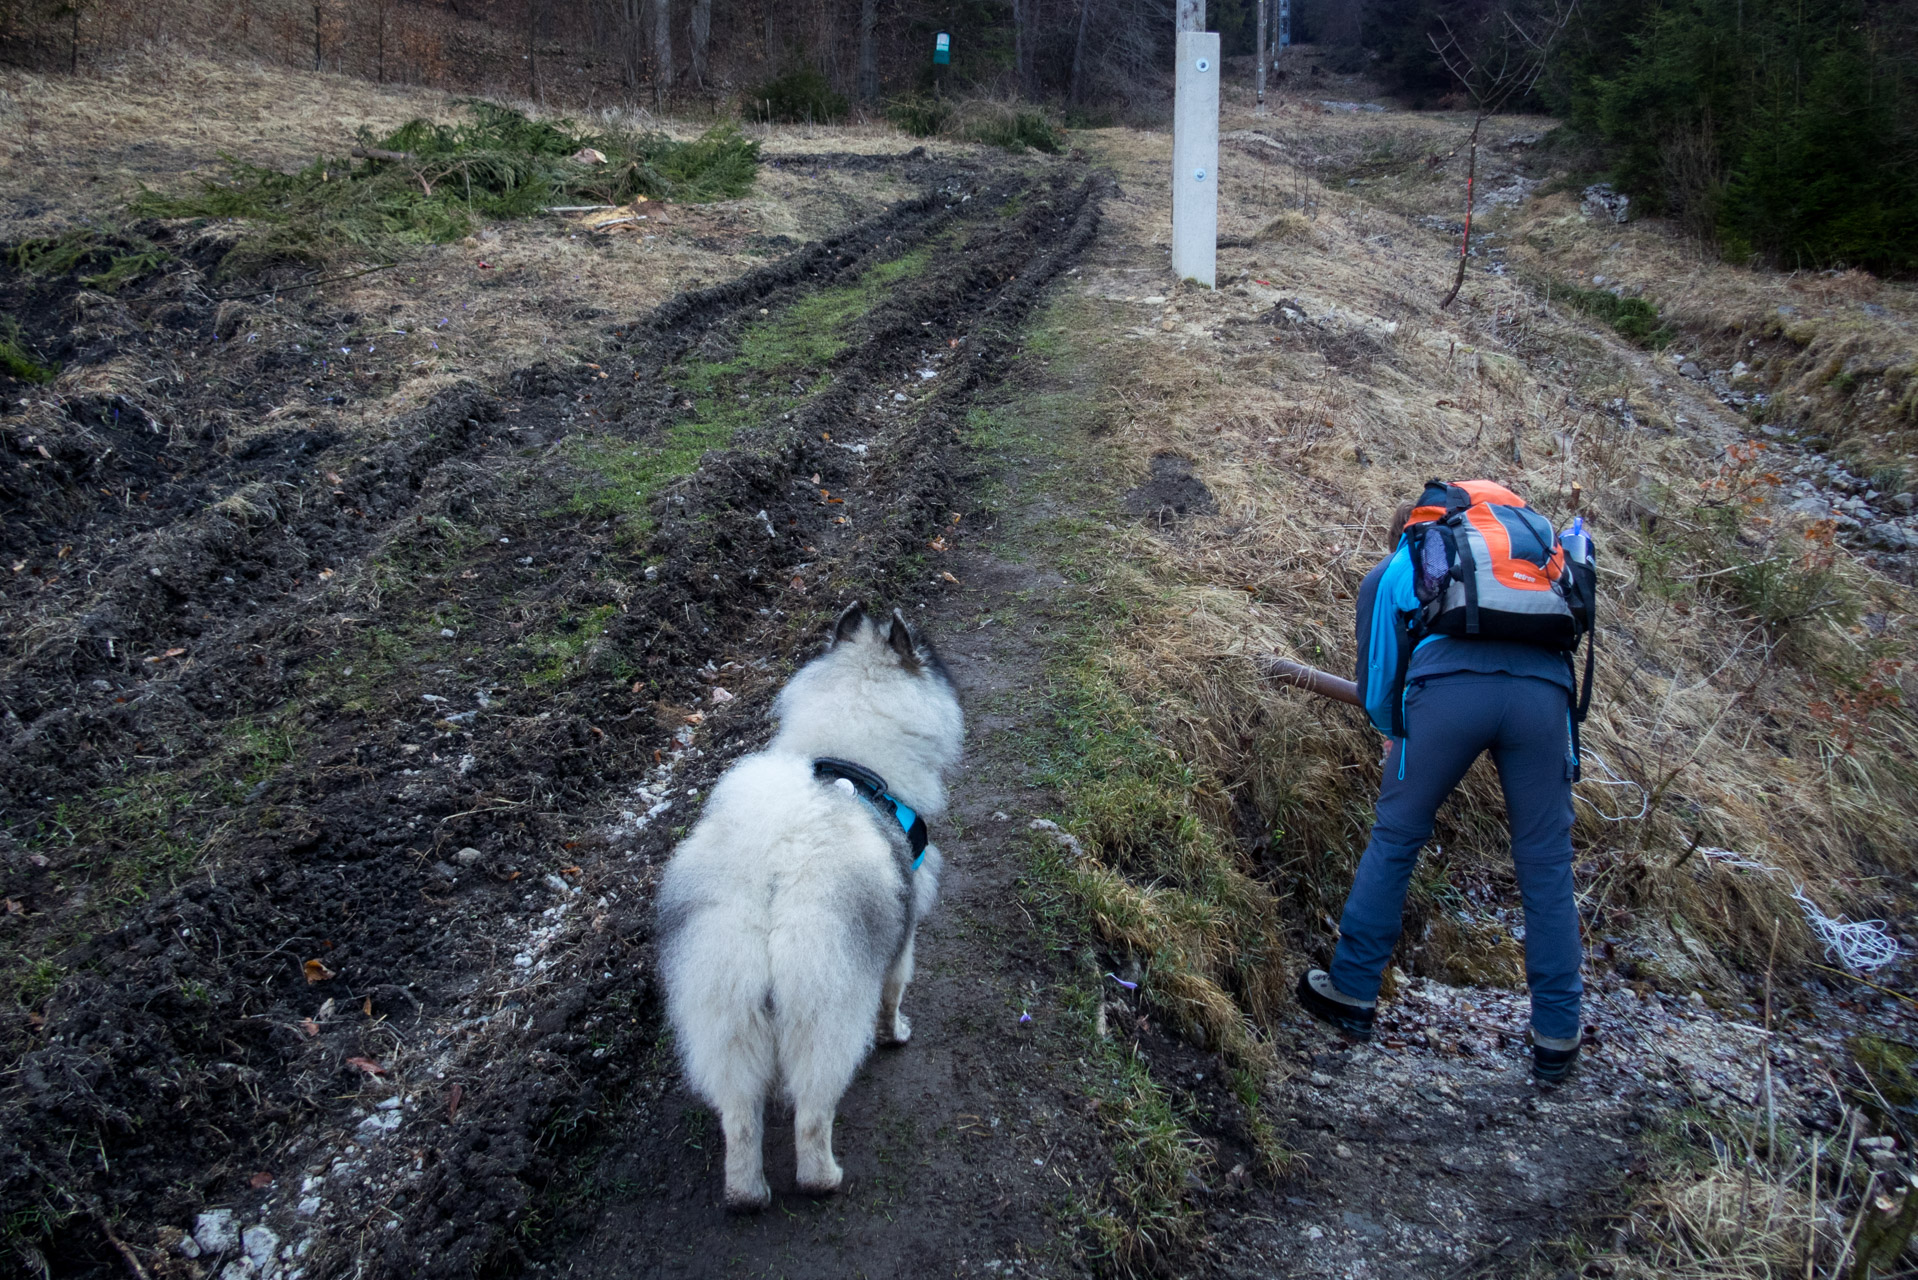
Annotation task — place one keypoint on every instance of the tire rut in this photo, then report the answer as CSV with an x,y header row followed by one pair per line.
x,y
331,1024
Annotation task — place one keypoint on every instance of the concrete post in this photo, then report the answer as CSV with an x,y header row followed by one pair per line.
x,y
1195,158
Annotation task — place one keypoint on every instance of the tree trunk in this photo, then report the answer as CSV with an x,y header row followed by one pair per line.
x,y
1258,79
868,56
73,53
632,42
1021,43
770,49
702,38
379,19
1075,93
1465,242
319,63
533,13
1191,15
662,50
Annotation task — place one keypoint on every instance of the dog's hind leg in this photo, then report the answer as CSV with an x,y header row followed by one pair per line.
x,y
744,1120
819,1050
895,1028
727,1038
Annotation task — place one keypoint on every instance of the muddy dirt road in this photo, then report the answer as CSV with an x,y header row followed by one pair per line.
x,y
337,767
341,754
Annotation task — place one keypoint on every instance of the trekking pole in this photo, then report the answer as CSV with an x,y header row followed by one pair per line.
x,y
1312,680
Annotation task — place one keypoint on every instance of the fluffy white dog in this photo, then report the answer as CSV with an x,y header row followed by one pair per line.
x,y
786,917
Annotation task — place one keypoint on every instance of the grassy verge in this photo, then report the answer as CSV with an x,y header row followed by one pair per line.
x,y
1752,1194
755,384
982,120
429,183
1635,319
1153,883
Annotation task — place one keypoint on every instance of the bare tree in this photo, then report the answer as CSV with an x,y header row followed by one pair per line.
x,y
632,41
662,49
702,38
868,52
1075,93
379,24
535,9
1022,42
1495,64
1258,48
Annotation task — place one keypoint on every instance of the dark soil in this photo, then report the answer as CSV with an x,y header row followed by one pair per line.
x,y
1171,493
331,760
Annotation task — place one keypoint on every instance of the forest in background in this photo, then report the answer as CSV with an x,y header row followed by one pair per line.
x,y
1778,131
1775,129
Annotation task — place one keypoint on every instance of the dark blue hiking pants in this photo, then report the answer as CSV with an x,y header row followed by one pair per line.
x,y
1449,720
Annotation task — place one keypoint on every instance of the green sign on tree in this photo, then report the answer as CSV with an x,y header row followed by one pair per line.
x,y
941,49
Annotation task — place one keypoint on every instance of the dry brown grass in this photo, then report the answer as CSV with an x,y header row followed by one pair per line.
x,y
75,148
1725,729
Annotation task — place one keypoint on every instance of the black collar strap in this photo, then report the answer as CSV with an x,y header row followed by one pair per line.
x,y
872,789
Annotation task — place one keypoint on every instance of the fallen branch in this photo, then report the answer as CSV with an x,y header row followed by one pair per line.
x,y
374,153
1313,680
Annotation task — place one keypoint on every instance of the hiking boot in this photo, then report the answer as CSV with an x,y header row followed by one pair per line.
x,y
1318,997
1552,1058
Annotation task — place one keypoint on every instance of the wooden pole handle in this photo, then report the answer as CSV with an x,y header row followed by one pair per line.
x,y
1313,680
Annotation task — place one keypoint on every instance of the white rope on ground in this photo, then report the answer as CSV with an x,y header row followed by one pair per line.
x,y
1862,945
1613,780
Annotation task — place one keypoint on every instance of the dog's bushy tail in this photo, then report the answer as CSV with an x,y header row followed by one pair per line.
x,y
826,999
720,995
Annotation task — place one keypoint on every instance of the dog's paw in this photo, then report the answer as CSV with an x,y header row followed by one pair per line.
x,y
897,1034
821,1181
748,1199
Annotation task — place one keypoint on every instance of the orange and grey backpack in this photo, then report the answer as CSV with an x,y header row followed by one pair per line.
x,y
1475,562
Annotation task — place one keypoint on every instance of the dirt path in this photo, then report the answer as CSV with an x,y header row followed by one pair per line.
x,y
334,761
960,1146
339,768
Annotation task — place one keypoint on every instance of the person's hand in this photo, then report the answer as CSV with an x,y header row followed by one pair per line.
x,y
1385,748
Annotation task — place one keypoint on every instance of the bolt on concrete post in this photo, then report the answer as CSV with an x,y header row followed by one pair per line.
x,y
1195,159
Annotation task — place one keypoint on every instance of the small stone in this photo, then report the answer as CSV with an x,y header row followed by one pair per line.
x,y
261,1244
188,1247
468,856
1320,1080
308,1207
214,1232
1342,1151
379,1123
446,633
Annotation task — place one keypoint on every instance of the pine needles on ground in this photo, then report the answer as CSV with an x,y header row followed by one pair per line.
x,y
430,183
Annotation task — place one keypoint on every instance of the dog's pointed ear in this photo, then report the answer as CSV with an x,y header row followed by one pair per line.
x,y
849,623
899,639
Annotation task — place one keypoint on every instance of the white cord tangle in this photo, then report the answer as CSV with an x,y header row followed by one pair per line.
x,y
1861,945
1613,780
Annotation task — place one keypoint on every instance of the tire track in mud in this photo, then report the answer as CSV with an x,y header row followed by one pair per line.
x,y
410,780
